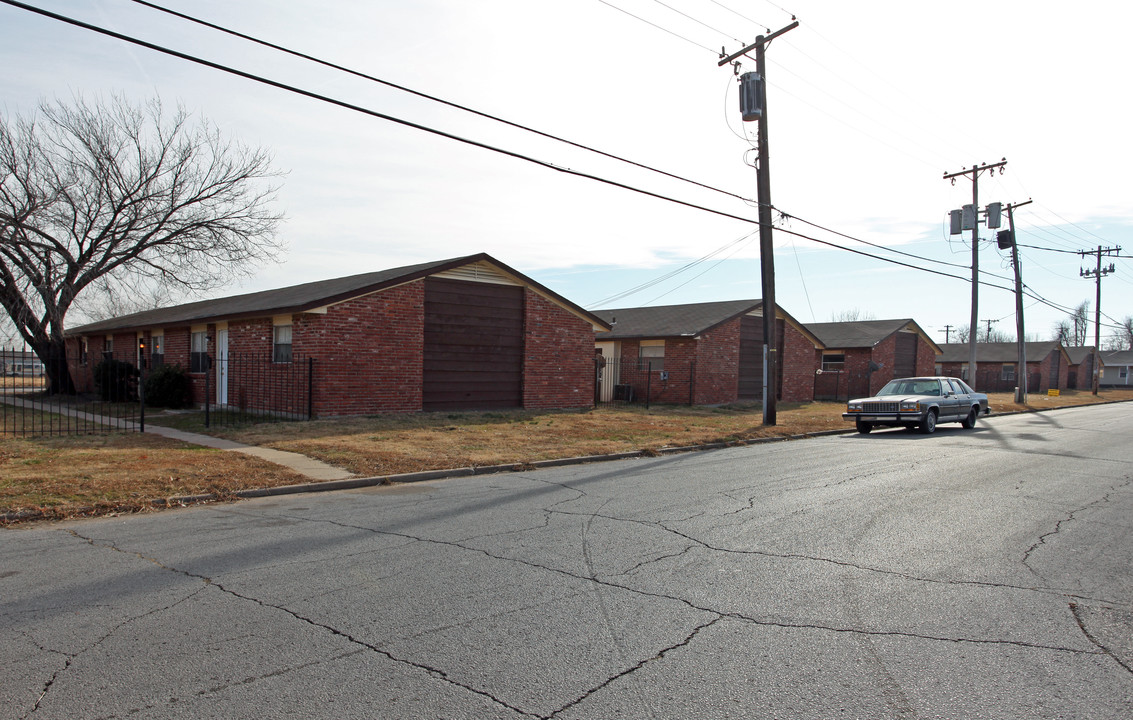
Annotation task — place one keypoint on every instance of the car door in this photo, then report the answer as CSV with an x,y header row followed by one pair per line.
x,y
959,400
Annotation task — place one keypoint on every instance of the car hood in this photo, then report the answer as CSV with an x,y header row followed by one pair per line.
x,y
895,398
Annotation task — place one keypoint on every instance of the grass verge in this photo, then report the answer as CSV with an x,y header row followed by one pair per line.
x,y
96,475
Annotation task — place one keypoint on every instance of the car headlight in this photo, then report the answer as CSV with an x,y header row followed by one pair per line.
x,y
910,406
854,407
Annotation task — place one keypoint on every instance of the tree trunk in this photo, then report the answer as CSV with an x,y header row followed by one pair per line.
x,y
53,353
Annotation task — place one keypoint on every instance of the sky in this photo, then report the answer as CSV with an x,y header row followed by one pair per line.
x,y
869,105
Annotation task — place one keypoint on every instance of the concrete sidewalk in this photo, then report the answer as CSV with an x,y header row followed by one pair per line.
x,y
308,467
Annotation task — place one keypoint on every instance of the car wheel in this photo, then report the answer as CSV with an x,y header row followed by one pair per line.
x,y
970,421
928,425
864,427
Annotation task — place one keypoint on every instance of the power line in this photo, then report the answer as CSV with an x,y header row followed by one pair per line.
x,y
699,22
468,141
427,96
655,25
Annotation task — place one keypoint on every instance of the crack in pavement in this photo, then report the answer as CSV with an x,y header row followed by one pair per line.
x,y
754,620
629,671
71,657
1069,517
1090,636
210,582
697,542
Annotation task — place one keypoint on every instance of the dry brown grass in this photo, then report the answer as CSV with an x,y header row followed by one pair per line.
x,y
96,475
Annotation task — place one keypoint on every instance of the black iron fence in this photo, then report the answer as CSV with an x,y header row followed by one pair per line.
x,y
240,388
111,393
89,398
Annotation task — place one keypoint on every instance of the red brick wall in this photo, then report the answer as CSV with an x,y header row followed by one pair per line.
x,y
368,355
797,359
368,352
717,368
558,357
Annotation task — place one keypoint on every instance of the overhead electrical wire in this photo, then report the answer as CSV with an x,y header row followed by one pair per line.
x,y
698,22
468,141
655,25
509,123
433,98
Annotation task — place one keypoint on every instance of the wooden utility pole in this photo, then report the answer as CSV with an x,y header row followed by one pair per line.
x,y
947,334
1098,274
766,239
1021,379
975,173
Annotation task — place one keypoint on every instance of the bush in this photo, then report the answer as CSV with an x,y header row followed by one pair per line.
x,y
117,380
168,386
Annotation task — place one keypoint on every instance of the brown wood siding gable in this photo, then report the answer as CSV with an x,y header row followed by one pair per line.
x,y
473,349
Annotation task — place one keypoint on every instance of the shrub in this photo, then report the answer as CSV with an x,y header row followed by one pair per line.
x,y
168,386
117,380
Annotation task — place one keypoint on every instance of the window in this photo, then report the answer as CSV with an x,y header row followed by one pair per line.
x,y
1008,371
281,344
198,352
964,371
108,347
1123,373
833,362
84,350
651,354
157,349
938,369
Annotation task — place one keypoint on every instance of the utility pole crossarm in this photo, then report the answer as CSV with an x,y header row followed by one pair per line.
x,y
759,41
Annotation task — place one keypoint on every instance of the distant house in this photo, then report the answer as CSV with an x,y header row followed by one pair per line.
x,y
1048,365
464,333
1116,367
860,356
1080,373
701,353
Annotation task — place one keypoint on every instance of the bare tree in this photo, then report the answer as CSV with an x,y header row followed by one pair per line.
x,y
1080,317
851,315
1062,332
1122,337
117,195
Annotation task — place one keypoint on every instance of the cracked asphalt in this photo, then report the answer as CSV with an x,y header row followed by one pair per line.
x,y
967,574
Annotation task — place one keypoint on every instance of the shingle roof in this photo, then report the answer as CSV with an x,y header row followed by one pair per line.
x,y
1004,352
1079,354
1117,357
857,333
304,297
672,320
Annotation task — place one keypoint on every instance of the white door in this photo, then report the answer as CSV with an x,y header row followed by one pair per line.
x,y
222,367
609,369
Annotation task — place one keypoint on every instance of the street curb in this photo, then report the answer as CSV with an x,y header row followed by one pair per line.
x,y
425,475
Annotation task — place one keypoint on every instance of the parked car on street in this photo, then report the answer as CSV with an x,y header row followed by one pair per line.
x,y
918,402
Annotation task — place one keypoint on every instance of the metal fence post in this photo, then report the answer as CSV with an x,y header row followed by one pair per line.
x,y
208,391
310,388
648,381
691,382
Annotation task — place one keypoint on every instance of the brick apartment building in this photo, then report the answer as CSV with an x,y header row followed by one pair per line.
x,y
1048,365
464,333
859,357
701,353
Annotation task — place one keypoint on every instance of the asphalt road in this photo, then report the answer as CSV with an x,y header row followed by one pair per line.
x,y
968,574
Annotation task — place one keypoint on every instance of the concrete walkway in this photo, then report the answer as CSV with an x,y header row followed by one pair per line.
x,y
308,467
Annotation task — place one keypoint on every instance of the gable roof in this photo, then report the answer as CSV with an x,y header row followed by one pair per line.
x,y
865,333
312,295
1001,352
680,321
1079,353
1117,357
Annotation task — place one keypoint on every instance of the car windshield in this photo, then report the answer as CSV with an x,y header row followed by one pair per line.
x,y
918,386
